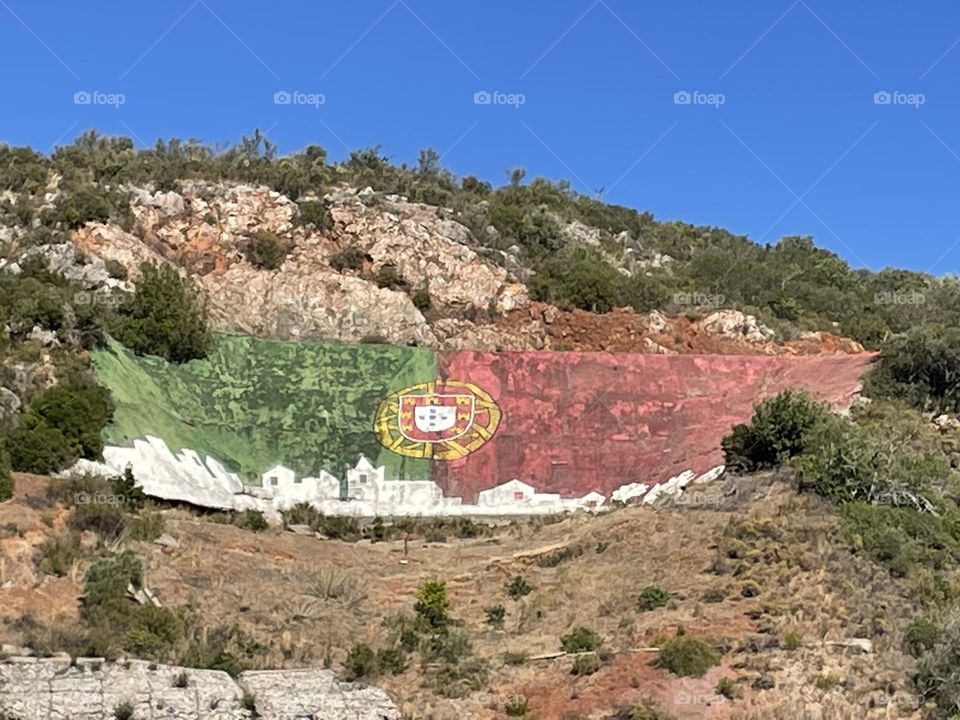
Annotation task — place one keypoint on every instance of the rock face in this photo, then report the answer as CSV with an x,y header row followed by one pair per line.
x,y
410,248
92,689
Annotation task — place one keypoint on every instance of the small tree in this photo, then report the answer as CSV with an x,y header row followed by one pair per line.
x,y
165,317
432,605
267,250
779,429
580,639
361,662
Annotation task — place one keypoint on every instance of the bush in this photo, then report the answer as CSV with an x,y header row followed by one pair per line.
x,y
267,250
165,317
389,277
125,489
251,519
392,660
147,526
579,278
515,657
791,640
687,657
59,554
421,300
360,663
432,606
123,711
75,209
516,706
779,429
920,636
315,213
495,615
920,367
651,598
517,587
727,688
63,424
580,639
350,258
116,269
585,664
107,579
98,515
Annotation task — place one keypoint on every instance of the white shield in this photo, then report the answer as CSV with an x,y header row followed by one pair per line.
x,y
435,418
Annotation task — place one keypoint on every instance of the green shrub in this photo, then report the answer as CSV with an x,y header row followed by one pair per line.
x,y
107,579
578,278
267,250
350,258
61,425
315,213
123,711
99,515
75,209
580,639
515,657
182,680
389,277
153,632
251,519
165,316
920,636
147,526
116,269
516,706
920,367
392,660
361,662
727,687
779,429
59,554
687,657
517,587
651,598
495,615
124,487
585,664
421,299
791,640
432,606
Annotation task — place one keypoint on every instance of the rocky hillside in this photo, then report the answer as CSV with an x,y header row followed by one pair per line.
x,y
382,269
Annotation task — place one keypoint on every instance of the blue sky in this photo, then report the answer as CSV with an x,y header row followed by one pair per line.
x,y
780,130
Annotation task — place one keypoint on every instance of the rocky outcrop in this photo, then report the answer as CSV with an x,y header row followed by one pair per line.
x,y
475,303
92,689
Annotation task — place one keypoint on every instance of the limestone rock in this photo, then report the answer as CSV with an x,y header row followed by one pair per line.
x,y
733,324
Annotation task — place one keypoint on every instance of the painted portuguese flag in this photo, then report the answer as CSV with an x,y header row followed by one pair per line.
x,y
565,422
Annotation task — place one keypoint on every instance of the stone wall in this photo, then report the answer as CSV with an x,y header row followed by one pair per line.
x,y
92,689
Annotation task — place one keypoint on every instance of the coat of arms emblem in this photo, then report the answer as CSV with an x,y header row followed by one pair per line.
x,y
443,420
